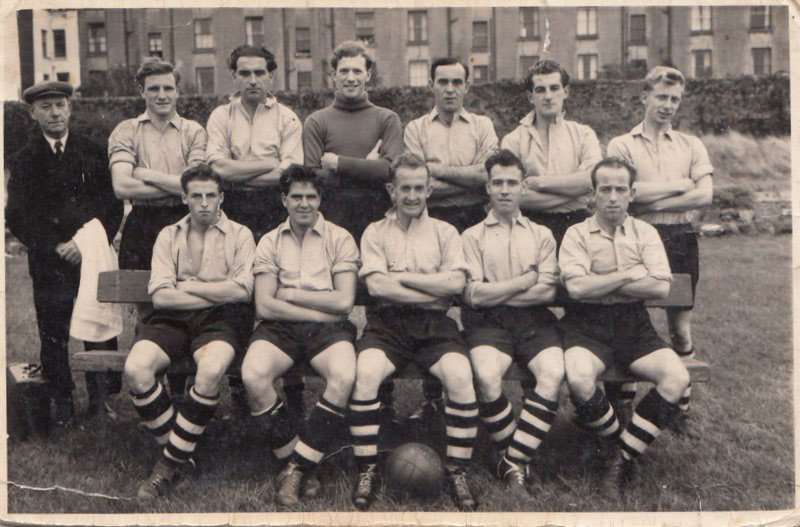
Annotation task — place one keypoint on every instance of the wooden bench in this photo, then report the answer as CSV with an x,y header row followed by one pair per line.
x,y
131,287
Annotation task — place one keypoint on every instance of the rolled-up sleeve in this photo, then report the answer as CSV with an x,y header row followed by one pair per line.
x,y
590,153
198,142
511,141
218,146
163,269
487,139
121,143
701,164
347,257
472,256
548,263
617,148
291,138
242,271
373,259
452,249
265,260
573,257
654,256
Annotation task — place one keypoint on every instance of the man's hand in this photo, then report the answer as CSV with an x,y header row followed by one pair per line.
x,y
687,185
529,279
69,251
374,154
185,285
637,272
329,161
285,293
532,171
532,183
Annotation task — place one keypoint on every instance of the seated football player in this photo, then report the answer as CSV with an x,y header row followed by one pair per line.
x,y
200,283
512,269
305,280
413,265
610,263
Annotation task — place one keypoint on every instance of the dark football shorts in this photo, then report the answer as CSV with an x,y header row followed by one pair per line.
x,y
181,333
411,334
302,341
618,334
521,332
680,242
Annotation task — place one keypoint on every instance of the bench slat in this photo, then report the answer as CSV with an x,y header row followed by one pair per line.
x,y
115,360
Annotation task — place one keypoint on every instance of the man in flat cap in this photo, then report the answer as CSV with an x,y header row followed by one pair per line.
x,y
59,181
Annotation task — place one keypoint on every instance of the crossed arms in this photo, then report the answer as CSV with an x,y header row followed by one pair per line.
x,y
293,304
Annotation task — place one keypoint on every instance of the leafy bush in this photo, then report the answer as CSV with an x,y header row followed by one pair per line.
x,y
756,106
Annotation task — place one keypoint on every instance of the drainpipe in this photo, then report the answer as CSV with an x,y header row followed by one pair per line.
x,y
172,35
450,21
493,50
669,34
125,36
623,48
286,44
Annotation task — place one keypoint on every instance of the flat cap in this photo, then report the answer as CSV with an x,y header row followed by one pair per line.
x,y
47,88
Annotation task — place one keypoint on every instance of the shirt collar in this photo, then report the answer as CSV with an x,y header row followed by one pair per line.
x,y
530,119
176,120
52,142
462,114
318,227
639,130
594,226
223,225
492,219
392,215
269,102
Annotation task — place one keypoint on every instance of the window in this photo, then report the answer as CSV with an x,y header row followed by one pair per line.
x,y
418,73
63,76
203,39
204,78
480,35
759,18
365,27
44,43
97,39
302,42
480,74
46,77
254,30
59,43
303,80
762,61
702,63
528,22
587,22
638,29
526,63
155,46
97,77
417,27
587,67
701,19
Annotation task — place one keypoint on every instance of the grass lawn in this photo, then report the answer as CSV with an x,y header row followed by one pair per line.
x,y
743,462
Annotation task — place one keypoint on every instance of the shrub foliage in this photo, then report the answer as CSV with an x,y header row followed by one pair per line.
x,y
756,106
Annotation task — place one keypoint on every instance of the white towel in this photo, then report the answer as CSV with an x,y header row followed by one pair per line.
x,y
93,321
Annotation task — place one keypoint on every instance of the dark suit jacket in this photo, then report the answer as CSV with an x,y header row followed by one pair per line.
x,y
50,199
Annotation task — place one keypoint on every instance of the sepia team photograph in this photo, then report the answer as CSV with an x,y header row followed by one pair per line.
x,y
398,264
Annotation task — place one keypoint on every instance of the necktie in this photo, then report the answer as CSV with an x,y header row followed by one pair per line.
x,y
59,152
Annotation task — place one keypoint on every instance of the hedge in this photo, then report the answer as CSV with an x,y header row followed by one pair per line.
x,y
756,106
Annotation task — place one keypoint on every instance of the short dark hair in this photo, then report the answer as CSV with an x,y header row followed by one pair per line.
x,y
407,160
448,61
545,67
351,48
295,173
613,162
246,50
201,172
155,66
504,158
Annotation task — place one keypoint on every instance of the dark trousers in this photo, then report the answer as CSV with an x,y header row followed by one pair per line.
x,y
55,285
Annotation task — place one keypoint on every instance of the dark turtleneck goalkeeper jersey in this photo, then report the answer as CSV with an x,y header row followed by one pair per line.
x,y
355,195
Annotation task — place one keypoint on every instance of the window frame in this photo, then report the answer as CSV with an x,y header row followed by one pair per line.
x,y
590,21
62,39
478,45
360,30
708,70
423,77
411,30
766,19
699,20
198,23
199,85
534,23
151,38
249,34
95,41
765,52
640,38
581,66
